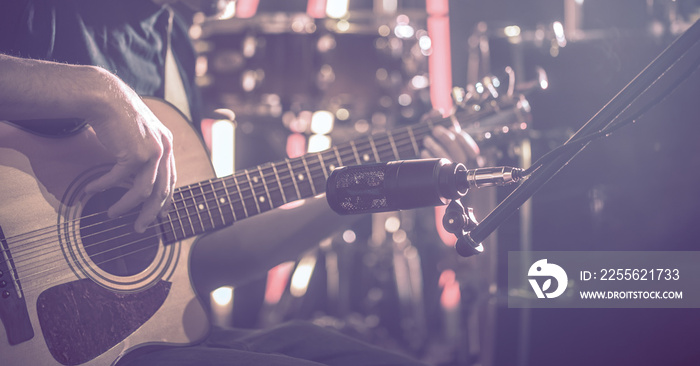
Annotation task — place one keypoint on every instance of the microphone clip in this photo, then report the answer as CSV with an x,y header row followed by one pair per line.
x,y
459,221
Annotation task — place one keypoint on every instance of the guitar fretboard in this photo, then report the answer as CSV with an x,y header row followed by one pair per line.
x,y
214,204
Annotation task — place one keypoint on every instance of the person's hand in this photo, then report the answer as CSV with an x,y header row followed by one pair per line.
x,y
143,148
141,145
453,144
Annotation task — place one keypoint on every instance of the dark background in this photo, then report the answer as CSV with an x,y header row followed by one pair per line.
x,y
644,175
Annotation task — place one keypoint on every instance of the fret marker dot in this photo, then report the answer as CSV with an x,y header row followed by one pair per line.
x,y
222,200
365,157
261,199
300,177
332,167
255,179
201,206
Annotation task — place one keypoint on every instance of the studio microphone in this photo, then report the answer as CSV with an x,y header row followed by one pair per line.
x,y
407,184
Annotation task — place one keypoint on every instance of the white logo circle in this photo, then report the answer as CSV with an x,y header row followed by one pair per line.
x,y
543,269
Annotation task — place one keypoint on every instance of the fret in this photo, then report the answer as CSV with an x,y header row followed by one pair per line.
x,y
252,190
240,195
416,150
337,156
176,203
203,205
374,149
291,175
301,178
209,197
237,207
346,155
323,165
169,236
187,196
267,188
357,155
364,152
317,172
198,208
404,146
393,146
383,147
228,214
308,174
331,159
279,184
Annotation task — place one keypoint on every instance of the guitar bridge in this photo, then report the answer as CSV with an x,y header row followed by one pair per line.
x,y
13,308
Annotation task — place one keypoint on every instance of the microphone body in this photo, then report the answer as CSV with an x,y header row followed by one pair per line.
x,y
407,184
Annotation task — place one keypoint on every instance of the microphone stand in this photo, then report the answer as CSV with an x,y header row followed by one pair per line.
x,y
676,58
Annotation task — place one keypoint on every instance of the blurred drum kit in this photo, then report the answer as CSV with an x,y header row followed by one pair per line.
x,y
391,279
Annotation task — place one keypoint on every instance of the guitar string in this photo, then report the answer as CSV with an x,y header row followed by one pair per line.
x,y
61,259
202,222
320,169
414,130
329,151
242,174
376,138
214,192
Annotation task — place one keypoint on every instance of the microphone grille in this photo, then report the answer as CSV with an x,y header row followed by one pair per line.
x,y
357,190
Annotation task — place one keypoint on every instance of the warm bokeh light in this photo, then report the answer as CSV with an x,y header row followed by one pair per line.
x,y
302,275
322,122
337,8
319,143
222,147
222,296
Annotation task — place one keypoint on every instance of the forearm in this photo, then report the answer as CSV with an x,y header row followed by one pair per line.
x,y
35,89
246,250
123,123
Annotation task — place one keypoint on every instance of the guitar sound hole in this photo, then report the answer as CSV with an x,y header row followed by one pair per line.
x,y
112,244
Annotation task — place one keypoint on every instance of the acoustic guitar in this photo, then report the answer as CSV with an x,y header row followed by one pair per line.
x,y
79,288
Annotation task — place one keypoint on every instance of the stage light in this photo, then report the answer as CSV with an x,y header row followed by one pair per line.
x,y
319,143
336,8
222,142
229,11
361,126
405,100
404,31
425,43
302,275
384,30
201,66
248,80
392,224
559,33
420,82
221,305
342,25
342,114
399,236
512,31
322,122
222,296
277,279
349,236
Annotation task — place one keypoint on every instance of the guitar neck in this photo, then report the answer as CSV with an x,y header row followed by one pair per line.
x,y
216,203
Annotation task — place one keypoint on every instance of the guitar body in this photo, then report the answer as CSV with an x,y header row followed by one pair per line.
x,y
75,287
